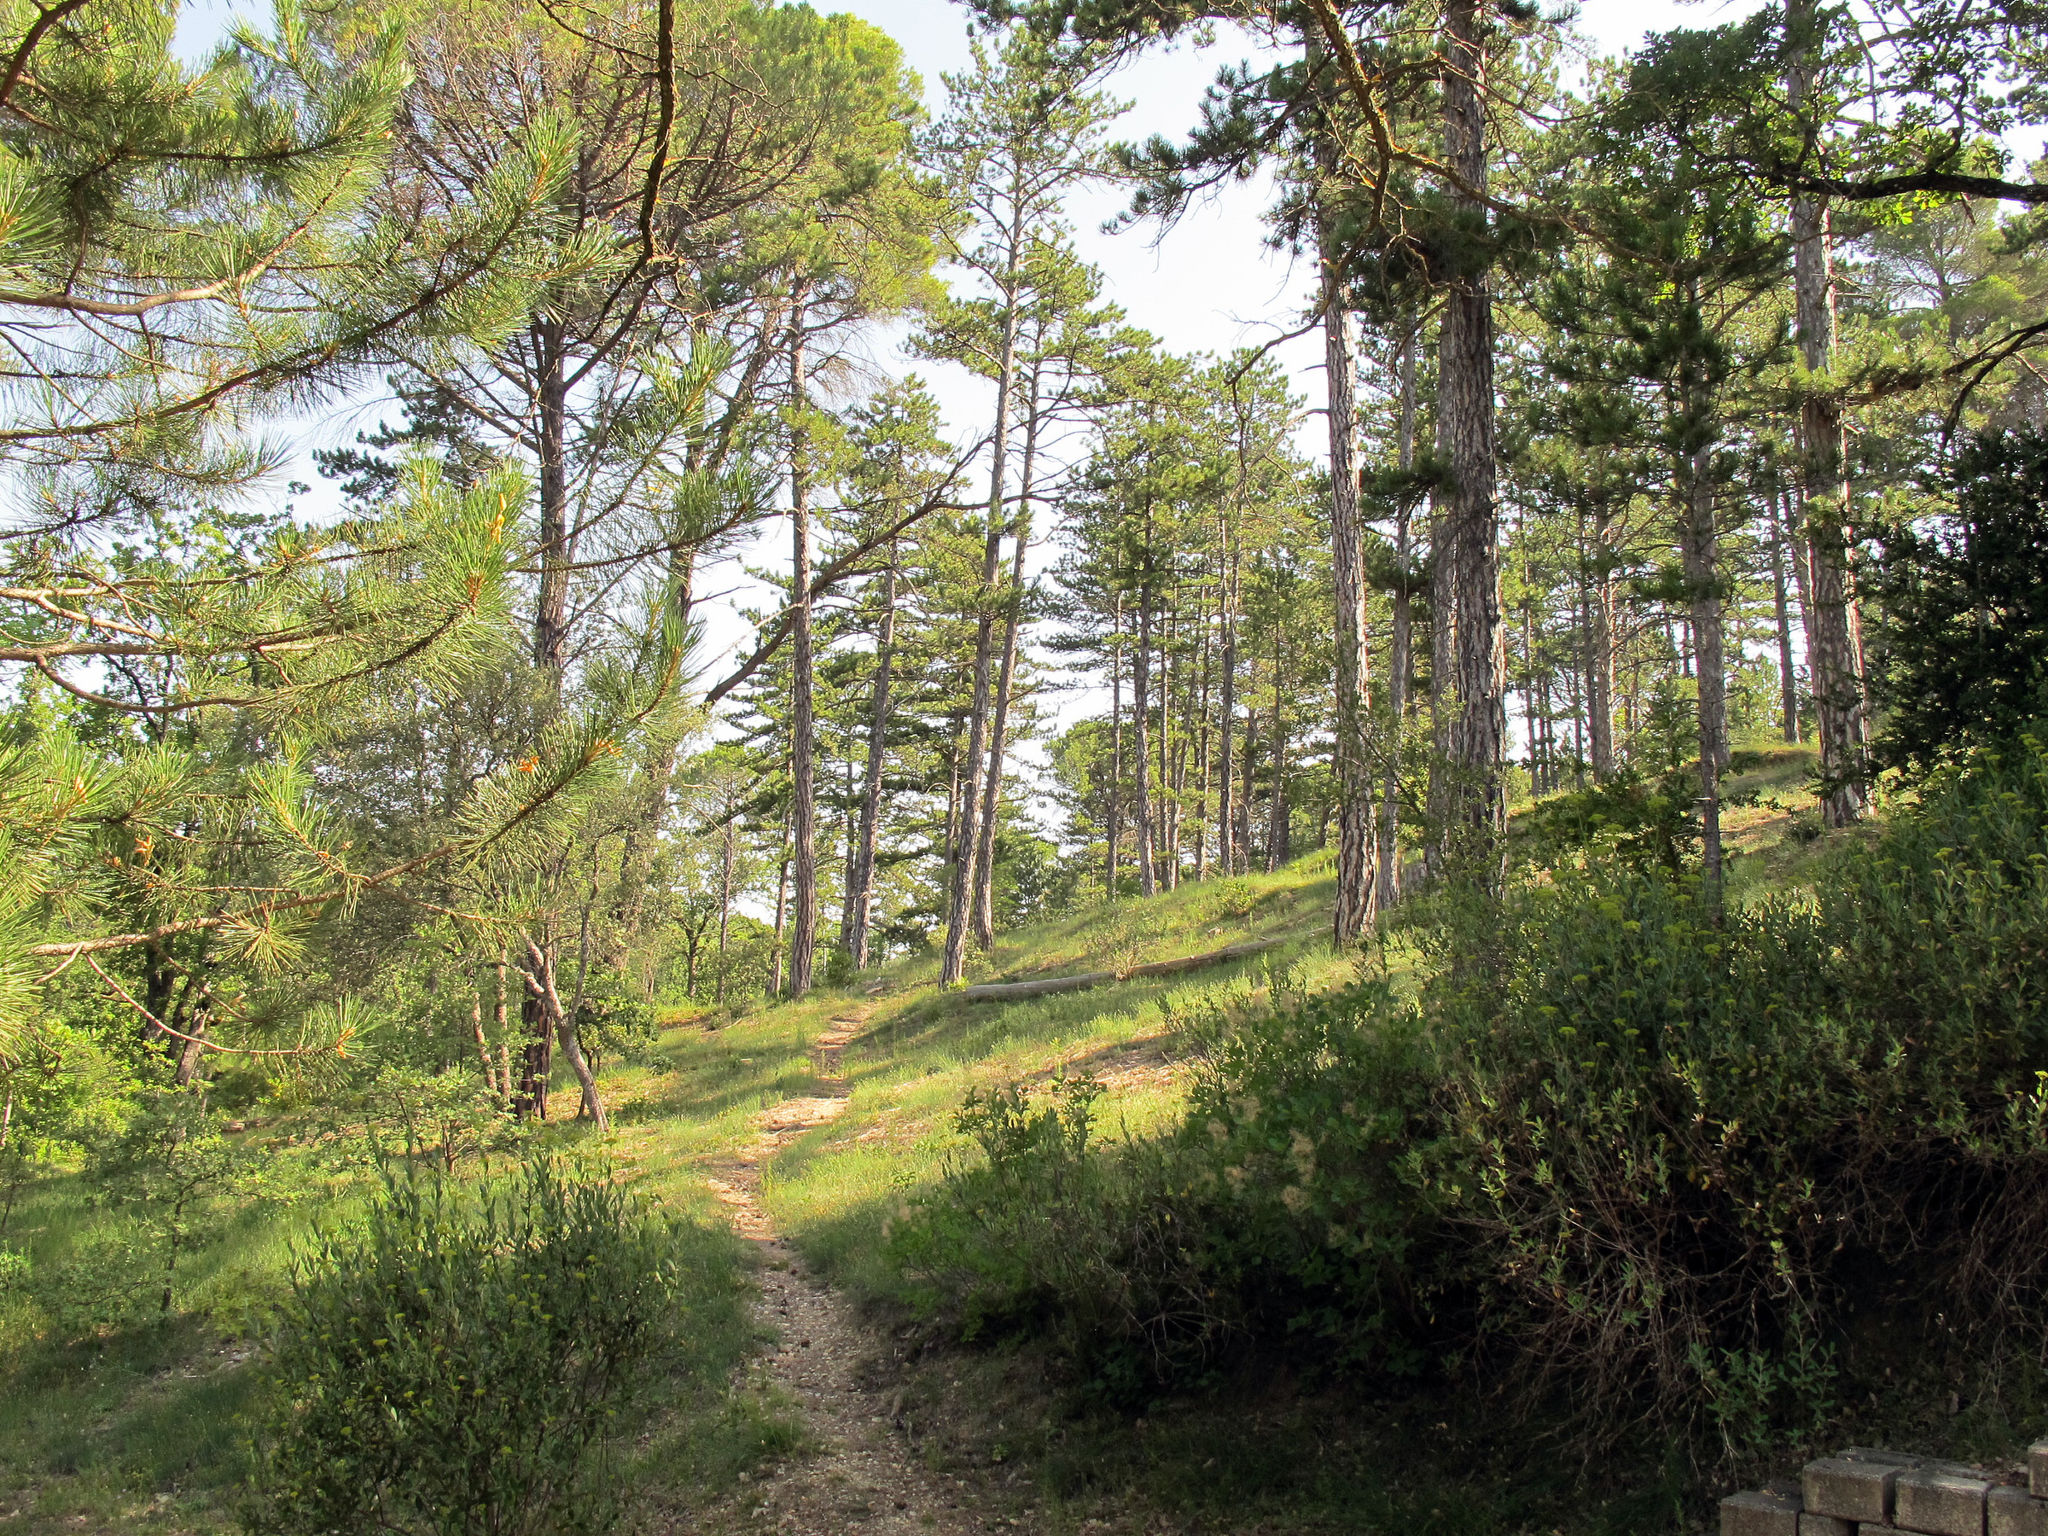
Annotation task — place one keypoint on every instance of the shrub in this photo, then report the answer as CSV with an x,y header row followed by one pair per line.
x,y
463,1364
1629,1156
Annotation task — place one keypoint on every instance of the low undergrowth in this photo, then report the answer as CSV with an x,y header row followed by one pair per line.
x,y
1622,1158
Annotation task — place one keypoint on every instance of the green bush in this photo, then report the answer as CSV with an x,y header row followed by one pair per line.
x,y
1631,1156
466,1363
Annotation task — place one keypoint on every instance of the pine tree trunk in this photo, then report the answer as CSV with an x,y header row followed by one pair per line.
x,y
1465,395
781,910
1141,706
1400,653
1833,656
1276,805
551,615
965,876
860,903
1245,800
1781,614
1700,550
1228,843
1116,748
1600,649
1013,619
803,789
727,853
1357,900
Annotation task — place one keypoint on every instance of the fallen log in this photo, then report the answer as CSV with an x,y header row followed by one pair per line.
x,y
1011,991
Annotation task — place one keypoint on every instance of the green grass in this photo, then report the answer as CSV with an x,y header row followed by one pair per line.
x,y
138,1429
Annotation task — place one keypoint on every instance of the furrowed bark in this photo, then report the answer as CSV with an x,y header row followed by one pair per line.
x,y
1833,660
1478,807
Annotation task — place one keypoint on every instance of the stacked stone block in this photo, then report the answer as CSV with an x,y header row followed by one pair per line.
x,y
1862,1491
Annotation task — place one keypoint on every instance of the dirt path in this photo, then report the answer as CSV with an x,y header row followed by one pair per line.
x,y
865,1476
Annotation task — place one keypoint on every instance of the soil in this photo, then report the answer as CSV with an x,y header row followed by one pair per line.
x,y
864,1475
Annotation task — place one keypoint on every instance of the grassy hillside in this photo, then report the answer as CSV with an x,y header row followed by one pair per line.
x,y
137,1431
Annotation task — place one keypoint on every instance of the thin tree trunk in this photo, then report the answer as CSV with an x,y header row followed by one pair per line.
x,y
1400,655
1467,426
541,982
965,873
803,934
1781,614
1228,843
727,853
1116,747
1832,654
551,614
1700,552
861,900
1013,618
498,1002
1600,648
1141,708
781,907
1276,805
1357,899
483,1044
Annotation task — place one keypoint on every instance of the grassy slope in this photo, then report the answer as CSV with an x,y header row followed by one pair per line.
x,y
138,1431
1237,1464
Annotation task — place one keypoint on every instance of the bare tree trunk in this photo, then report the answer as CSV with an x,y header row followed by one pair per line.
x,y
537,1060
1141,707
540,982
1013,618
1276,805
727,853
1116,747
551,615
1467,427
803,935
860,902
1600,648
781,908
1832,655
965,873
1203,762
506,1088
1400,655
1781,614
1228,843
1700,552
1244,805
483,1044
1357,901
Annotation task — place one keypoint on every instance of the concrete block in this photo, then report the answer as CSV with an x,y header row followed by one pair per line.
x,y
1762,1512
1852,1486
2037,1469
2014,1512
1939,1501
1825,1525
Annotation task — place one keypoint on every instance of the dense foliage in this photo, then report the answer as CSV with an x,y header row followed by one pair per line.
x,y
478,1363
1623,1154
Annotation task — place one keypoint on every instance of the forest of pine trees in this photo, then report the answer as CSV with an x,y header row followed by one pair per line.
x,y
1630,374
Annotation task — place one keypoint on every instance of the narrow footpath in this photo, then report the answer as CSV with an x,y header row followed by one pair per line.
x,y
863,1476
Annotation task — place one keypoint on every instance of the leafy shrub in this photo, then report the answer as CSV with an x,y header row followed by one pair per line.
x,y
615,1017
464,1364
1627,1154
1282,1208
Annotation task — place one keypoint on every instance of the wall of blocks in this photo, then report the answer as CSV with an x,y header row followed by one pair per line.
x,y
1863,1490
